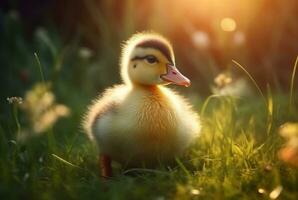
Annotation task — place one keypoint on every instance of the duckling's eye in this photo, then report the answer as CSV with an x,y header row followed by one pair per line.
x,y
151,59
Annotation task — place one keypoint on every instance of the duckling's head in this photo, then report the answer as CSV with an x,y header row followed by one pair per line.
x,y
148,59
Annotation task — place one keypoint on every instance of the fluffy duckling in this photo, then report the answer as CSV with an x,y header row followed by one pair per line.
x,y
142,121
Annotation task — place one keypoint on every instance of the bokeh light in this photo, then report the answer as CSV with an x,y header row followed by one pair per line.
x,y
200,39
228,24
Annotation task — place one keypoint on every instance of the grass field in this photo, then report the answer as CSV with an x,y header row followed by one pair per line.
x,y
44,154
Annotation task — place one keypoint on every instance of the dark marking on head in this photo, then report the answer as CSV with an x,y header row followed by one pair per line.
x,y
135,66
156,44
138,58
149,58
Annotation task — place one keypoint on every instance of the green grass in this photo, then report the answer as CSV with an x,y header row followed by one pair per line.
x,y
233,158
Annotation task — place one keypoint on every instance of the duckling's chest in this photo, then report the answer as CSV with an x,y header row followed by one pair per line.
x,y
149,113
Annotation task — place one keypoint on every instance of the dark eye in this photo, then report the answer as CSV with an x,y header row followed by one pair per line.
x,y
151,59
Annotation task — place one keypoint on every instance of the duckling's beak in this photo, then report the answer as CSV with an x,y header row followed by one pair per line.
x,y
174,76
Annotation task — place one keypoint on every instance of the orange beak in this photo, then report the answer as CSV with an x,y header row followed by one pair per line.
x,y
174,76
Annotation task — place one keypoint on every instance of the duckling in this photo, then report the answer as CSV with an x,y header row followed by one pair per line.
x,y
143,121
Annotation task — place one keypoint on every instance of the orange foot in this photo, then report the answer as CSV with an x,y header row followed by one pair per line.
x,y
105,166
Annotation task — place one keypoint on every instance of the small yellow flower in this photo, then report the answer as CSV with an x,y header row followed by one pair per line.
x,y
41,108
48,118
289,130
289,153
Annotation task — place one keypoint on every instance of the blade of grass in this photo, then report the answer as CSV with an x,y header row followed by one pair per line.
x,y
40,67
183,167
144,170
3,142
252,79
207,102
270,110
292,84
75,166
16,118
64,161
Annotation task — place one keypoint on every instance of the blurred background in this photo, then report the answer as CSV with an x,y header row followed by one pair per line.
x,y
78,42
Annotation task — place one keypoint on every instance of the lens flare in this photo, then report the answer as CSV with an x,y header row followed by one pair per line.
x,y
228,24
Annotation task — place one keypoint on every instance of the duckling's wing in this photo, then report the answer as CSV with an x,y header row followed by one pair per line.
x,y
104,104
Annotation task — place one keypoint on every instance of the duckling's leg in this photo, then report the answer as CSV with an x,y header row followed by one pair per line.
x,y
105,165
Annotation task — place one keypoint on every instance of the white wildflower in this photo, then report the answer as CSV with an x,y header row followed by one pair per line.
x,y
15,100
226,86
